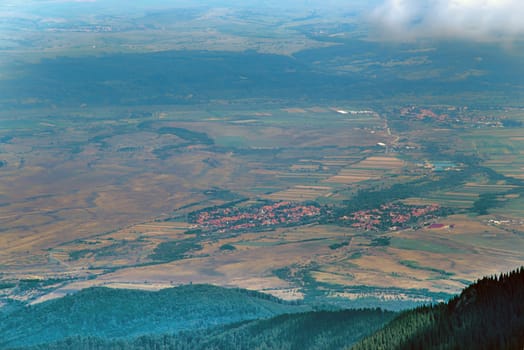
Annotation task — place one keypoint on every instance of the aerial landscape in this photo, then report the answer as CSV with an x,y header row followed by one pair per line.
x,y
261,175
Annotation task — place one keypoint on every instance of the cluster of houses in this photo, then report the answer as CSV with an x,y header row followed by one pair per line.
x,y
253,217
392,216
422,113
453,115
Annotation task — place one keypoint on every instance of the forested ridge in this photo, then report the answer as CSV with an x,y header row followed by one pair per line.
x,y
489,314
308,330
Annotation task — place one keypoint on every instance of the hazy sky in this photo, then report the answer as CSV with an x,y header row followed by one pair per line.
x,y
484,20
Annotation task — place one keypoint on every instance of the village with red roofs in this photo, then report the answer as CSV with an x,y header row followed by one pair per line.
x,y
235,219
391,216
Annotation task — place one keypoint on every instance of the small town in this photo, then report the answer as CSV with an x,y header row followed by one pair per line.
x,y
457,116
234,219
392,216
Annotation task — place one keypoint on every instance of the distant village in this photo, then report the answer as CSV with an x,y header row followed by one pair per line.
x,y
392,216
457,115
235,219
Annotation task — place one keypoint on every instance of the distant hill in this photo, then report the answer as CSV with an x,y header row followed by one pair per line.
x,y
310,330
119,313
487,315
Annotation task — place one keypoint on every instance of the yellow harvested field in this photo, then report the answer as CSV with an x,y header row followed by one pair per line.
x,y
497,187
300,193
416,201
311,167
461,195
386,163
294,110
348,176
319,188
368,169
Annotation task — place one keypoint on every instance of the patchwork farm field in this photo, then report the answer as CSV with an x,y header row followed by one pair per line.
x,y
329,203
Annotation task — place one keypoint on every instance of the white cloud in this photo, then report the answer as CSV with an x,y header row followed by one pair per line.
x,y
484,20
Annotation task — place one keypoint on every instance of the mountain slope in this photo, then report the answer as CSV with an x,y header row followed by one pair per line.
x,y
489,314
310,330
112,313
